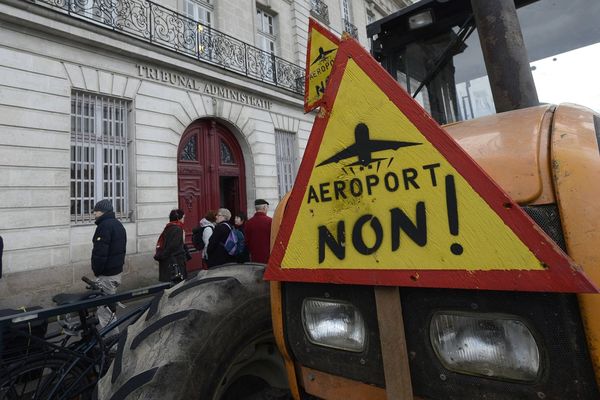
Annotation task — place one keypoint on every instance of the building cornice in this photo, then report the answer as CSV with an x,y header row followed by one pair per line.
x,y
22,14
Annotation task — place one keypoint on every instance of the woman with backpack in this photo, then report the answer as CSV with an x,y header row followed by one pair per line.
x,y
170,249
217,254
201,235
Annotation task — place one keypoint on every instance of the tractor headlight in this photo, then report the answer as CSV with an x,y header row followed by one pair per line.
x,y
333,324
501,347
420,20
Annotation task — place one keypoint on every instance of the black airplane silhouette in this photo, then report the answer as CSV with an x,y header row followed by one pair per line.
x,y
363,147
322,55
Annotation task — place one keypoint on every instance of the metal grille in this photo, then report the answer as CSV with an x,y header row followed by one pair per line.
x,y
350,29
190,152
161,26
226,155
319,10
285,153
98,154
548,218
346,10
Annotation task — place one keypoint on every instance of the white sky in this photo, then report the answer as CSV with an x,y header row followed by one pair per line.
x,y
571,77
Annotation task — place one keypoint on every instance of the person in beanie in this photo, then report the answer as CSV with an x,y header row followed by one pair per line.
x,y
170,248
108,254
258,233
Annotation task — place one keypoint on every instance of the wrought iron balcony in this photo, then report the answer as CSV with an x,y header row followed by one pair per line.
x,y
350,29
319,10
161,26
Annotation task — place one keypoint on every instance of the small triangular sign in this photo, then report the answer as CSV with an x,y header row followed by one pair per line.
x,y
384,196
320,55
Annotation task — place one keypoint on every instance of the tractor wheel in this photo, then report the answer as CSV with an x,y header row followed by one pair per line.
x,y
206,338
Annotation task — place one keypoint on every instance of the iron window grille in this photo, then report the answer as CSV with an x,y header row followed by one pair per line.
x,y
319,10
346,10
370,16
99,164
350,29
285,155
164,27
346,18
226,154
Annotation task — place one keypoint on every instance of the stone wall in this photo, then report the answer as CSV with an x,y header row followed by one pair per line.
x,y
43,58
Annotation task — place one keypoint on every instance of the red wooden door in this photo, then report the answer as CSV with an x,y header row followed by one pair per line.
x,y
210,172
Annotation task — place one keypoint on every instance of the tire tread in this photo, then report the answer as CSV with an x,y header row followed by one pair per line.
x,y
158,325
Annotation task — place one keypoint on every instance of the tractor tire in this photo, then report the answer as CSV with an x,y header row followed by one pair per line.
x,y
207,338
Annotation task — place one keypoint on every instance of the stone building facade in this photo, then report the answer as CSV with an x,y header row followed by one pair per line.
x,y
180,103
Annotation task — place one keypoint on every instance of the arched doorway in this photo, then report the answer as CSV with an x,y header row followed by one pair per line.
x,y
210,174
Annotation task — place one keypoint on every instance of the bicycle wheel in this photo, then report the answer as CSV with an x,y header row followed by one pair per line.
x,y
51,376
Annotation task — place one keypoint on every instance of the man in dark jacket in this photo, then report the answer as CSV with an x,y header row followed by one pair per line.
x,y
217,255
258,233
108,253
110,241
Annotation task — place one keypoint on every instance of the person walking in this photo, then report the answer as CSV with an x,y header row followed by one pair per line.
x,y
108,254
170,249
217,255
258,233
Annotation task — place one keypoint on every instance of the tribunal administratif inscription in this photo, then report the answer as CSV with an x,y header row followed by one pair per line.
x,y
208,88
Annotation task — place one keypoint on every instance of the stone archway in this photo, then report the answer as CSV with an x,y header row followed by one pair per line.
x,y
210,174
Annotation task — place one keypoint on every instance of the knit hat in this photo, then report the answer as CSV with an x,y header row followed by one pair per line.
x,y
260,202
103,205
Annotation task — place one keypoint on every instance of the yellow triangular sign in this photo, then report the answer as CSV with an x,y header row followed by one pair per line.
x,y
320,55
384,196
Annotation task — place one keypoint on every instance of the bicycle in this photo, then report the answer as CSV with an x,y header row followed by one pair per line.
x,y
67,363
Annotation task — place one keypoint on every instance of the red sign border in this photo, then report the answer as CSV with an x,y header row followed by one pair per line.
x,y
313,25
560,275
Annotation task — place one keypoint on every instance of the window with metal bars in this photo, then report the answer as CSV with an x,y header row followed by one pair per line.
x,y
285,154
370,16
98,155
346,10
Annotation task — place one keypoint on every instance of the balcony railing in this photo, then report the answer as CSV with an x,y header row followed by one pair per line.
x,y
350,29
319,10
161,26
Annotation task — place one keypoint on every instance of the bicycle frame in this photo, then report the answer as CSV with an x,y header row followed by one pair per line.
x,y
79,360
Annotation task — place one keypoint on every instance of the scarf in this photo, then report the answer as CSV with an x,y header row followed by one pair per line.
x,y
161,239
